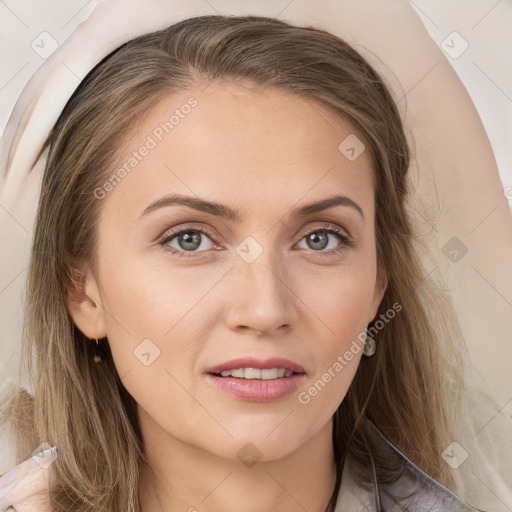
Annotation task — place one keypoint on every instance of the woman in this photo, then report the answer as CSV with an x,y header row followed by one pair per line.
x,y
224,300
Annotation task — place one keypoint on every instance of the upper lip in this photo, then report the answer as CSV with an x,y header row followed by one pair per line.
x,y
253,362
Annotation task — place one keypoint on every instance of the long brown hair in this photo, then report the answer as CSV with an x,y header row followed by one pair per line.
x,y
83,408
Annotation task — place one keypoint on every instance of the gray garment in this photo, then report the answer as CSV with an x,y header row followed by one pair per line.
x,y
414,490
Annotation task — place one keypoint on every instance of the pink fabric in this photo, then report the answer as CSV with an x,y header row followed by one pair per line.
x,y
25,488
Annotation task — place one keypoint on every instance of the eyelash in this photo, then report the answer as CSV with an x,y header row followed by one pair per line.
x,y
328,228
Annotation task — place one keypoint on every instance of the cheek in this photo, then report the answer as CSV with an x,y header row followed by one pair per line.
x,y
341,300
147,296
340,305
154,334
153,312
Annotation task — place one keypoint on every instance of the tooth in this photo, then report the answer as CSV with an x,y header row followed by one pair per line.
x,y
272,373
252,373
257,373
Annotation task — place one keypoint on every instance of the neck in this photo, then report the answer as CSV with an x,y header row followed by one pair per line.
x,y
181,477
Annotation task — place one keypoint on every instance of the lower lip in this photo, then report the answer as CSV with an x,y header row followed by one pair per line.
x,y
257,390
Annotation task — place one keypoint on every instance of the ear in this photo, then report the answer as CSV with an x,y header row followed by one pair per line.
x,y
84,304
381,284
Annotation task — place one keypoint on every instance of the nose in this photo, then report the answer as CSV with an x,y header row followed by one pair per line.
x,y
262,297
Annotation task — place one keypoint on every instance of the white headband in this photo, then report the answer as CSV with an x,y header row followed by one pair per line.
x,y
110,24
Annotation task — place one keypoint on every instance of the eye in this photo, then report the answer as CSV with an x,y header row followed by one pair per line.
x,y
317,239
188,241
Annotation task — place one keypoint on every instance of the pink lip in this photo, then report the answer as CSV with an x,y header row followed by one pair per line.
x,y
252,362
257,390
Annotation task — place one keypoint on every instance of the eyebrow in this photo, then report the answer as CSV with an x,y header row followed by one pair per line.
x,y
228,213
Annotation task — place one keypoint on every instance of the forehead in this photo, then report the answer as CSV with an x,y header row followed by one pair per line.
x,y
227,140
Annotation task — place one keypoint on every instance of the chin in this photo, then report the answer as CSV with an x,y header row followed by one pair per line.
x,y
257,445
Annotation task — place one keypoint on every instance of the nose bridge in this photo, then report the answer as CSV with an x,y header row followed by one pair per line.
x,y
263,299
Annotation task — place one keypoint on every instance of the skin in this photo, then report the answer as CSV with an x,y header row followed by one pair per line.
x,y
264,154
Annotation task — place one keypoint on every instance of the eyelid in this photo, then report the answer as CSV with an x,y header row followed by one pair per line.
x,y
325,226
186,225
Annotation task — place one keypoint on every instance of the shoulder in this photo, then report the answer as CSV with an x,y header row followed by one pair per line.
x,y
24,486
415,490
28,484
412,490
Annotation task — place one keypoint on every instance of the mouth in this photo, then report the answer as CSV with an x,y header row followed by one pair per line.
x,y
255,380
257,373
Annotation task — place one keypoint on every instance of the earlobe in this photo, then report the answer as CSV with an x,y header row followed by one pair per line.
x,y
84,304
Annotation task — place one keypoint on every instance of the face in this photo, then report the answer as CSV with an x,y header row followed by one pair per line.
x,y
180,289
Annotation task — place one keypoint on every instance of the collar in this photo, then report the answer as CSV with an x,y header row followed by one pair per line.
x,y
412,490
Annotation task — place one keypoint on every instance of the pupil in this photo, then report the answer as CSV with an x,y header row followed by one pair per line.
x,y
190,242
319,240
